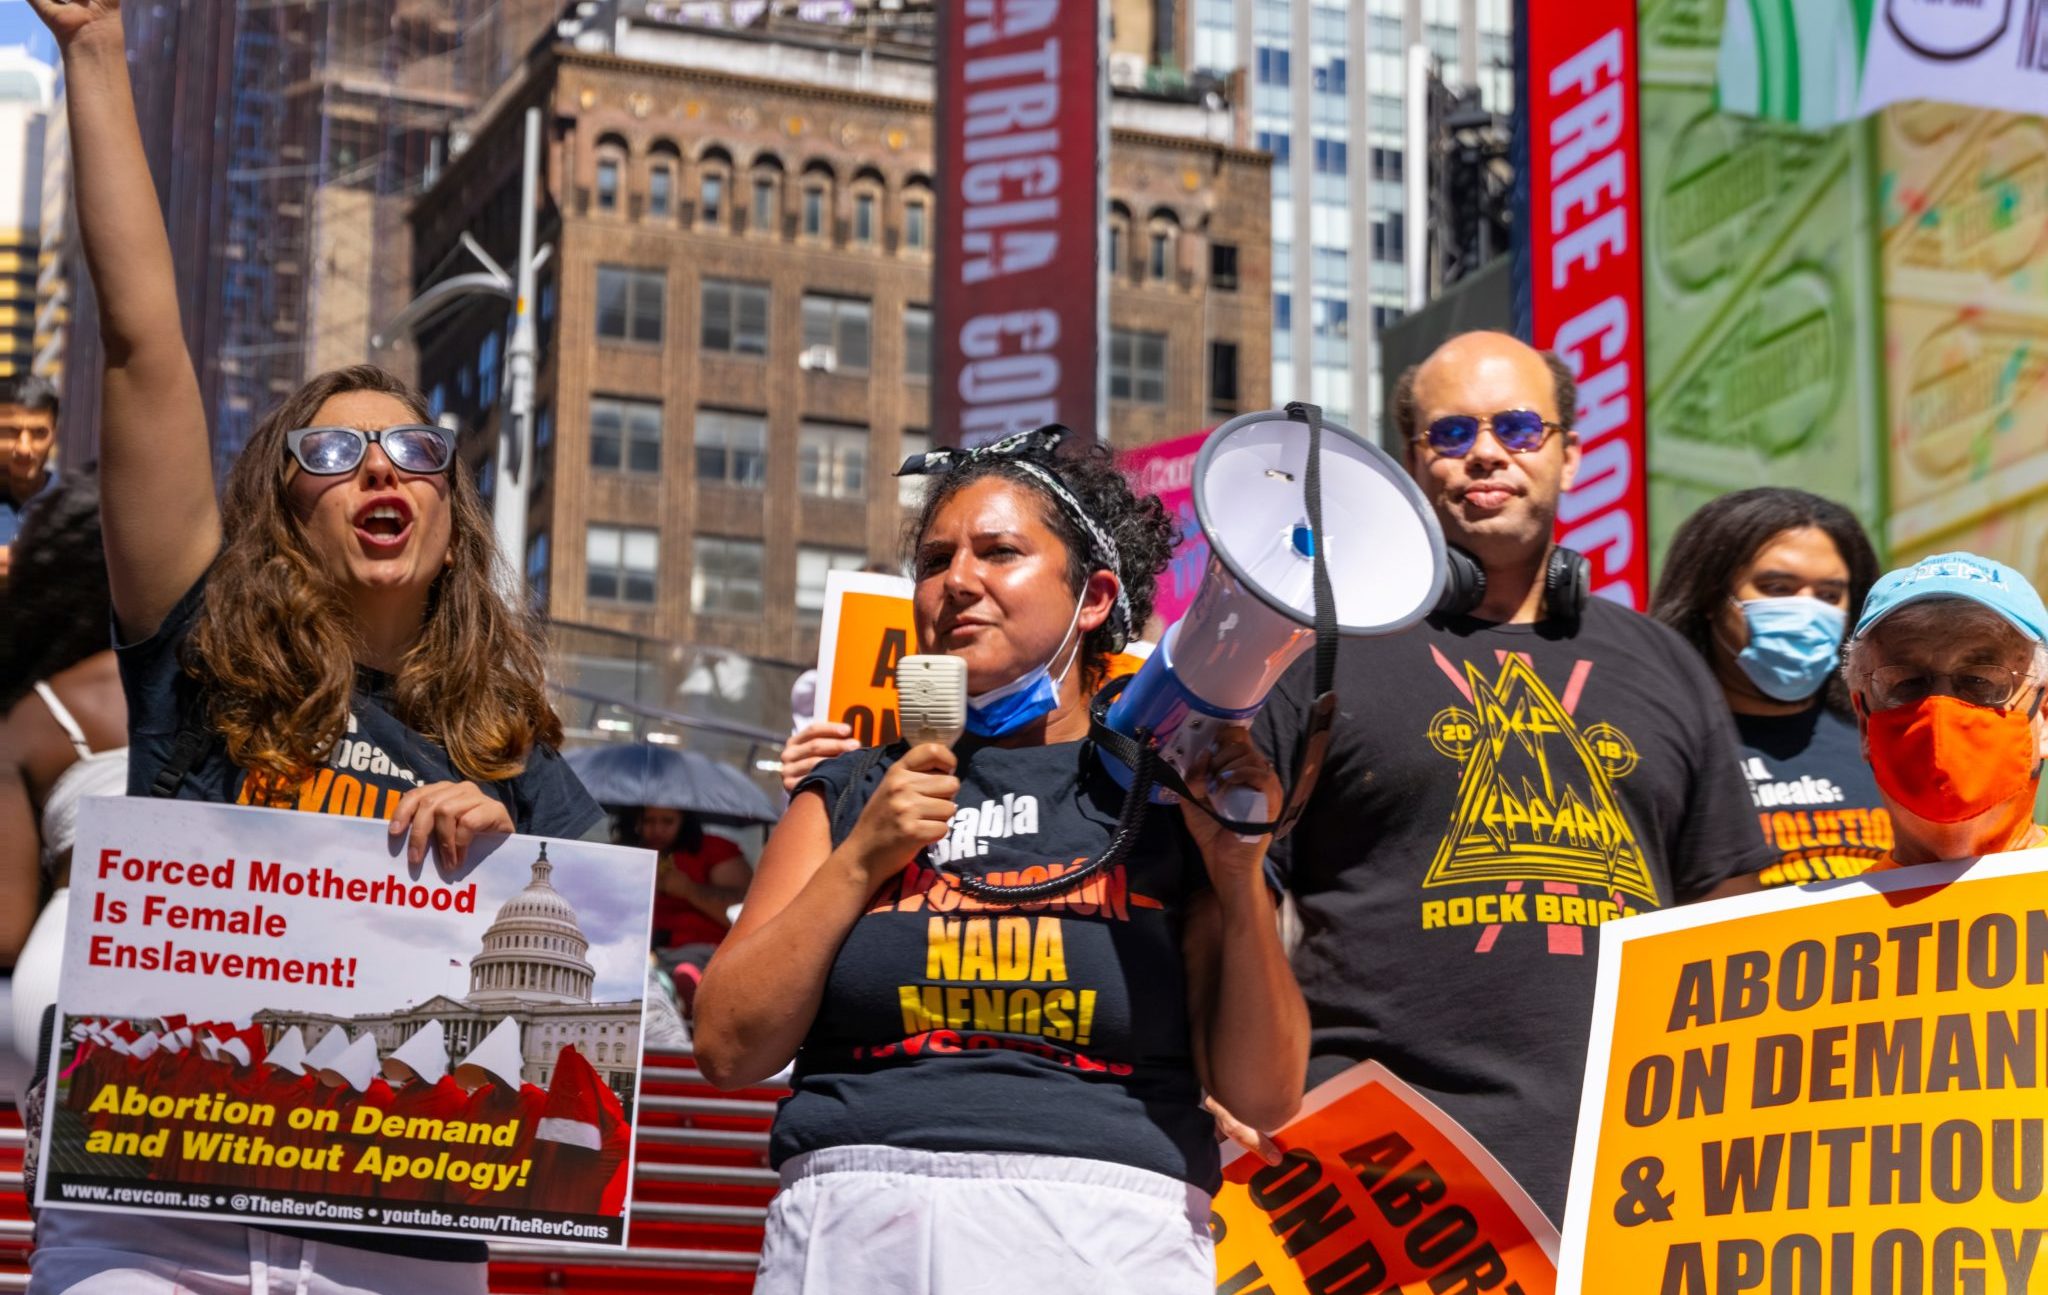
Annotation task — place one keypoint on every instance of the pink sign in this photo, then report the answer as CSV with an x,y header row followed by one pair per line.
x,y
1167,469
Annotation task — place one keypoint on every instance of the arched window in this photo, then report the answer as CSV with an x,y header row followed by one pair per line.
x,y
1162,246
814,215
868,189
1118,249
612,156
664,165
917,215
714,188
764,197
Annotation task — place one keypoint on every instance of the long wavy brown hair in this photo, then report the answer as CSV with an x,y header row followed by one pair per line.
x,y
275,646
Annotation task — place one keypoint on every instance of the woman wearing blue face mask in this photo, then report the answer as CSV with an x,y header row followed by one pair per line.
x,y
1765,583
994,1095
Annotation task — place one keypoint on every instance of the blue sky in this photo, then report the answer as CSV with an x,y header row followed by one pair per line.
x,y
20,26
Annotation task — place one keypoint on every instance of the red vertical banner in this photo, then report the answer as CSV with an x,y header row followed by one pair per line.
x,y
1585,265
1022,119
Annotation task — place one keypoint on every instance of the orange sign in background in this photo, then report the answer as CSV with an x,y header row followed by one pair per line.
x,y
1378,1192
1835,1089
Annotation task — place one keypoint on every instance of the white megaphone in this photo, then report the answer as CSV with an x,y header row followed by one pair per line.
x,y
1254,613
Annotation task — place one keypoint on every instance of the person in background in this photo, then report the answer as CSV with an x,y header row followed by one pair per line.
x,y
1764,584
327,637
28,428
697,879
1947,671
1499,784
63,737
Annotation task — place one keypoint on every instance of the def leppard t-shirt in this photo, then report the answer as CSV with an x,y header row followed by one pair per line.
x,y
378,761
1493,794
1051,1028
1815,796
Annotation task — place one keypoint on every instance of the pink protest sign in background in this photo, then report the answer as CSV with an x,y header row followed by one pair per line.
x,y
1167,469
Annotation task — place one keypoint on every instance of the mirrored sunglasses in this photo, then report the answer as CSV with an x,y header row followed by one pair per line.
x,y
1518,430
329,451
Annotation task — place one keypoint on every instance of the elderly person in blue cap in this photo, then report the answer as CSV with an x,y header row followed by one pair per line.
x,y
1947,669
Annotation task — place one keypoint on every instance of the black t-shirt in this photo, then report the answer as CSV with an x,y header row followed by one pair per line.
x,y
378,761
1814,795
1493,793
1057,1028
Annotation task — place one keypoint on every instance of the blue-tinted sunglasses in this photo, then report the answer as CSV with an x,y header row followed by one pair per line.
x,y
330,451
1519,430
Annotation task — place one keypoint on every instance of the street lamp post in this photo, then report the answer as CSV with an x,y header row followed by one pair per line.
x,y
515,437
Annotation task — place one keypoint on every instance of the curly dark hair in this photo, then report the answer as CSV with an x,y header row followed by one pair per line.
x,y
1144,533
57,611
1726,534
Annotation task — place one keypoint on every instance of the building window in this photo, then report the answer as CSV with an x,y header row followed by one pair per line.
x,y
814,211
813,565
1119,234
1388,164
1223,376
629,303
731,449
1223,266
1272,65
620,563
1278,143
608,184
711,199
625,435
1161,256
840,326
726,577
734,317
1332,156
832,462
1137,366
544,427
764,204
1390,237
916,231
917,342
487,370
910,490
537,568
1331,316
1384,317
864,218
1283,311
661,191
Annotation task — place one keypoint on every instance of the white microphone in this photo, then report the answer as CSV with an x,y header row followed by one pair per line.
x,y
931,698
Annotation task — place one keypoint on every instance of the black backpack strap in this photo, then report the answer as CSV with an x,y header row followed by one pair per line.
x,y
193,738
849,794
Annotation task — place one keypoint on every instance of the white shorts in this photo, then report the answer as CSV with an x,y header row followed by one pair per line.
x,y
868,1219
85,1252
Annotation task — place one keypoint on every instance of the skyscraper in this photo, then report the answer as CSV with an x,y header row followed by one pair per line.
x,y
25,92
1329,100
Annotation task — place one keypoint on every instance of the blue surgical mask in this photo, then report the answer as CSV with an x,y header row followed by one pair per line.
x,y
1026,699
1794,645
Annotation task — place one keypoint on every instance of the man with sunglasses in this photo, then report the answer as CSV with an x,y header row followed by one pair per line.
x,y
1946,670
1500,782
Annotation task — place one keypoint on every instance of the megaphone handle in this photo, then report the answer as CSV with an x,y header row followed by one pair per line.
x,y
1242,805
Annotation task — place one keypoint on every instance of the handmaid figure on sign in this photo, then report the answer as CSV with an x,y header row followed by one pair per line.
x,y
498,1095
354,1075
418,1070
281,1082
579,1149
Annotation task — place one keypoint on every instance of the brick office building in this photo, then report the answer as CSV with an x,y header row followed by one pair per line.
x,y
736,340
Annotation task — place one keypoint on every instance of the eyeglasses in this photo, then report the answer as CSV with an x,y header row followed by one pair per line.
x,y
1990,686
1520,430
329,451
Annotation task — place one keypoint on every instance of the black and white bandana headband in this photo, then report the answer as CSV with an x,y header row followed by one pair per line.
x,y
1020,449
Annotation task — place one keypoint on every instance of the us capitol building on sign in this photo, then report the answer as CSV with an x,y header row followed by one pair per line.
x,y
534,969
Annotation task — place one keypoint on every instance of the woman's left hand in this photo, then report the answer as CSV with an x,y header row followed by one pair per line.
x,y
1232,764
450,815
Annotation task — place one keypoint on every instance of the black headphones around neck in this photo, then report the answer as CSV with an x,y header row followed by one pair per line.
x,y
1567,578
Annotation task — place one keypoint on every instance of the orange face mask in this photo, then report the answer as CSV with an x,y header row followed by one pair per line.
x,y
1947,761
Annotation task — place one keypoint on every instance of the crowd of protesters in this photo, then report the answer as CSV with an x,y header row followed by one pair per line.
x,y
1036,1063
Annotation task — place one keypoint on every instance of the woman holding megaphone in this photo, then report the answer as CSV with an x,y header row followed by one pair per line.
x,y
992,1093
328,640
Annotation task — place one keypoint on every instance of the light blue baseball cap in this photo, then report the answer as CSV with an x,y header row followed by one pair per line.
x,y
1959,575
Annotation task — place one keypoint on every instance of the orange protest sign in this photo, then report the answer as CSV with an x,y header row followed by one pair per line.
x,y
1833,1089
867,629
1379,1192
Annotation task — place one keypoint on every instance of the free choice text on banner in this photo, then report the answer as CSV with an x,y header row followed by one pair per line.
x,y
1378,1193
1585,270
268,1017
1832,1089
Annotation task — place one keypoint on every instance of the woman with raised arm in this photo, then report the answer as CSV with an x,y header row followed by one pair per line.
x,y
1001,1052
337,645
